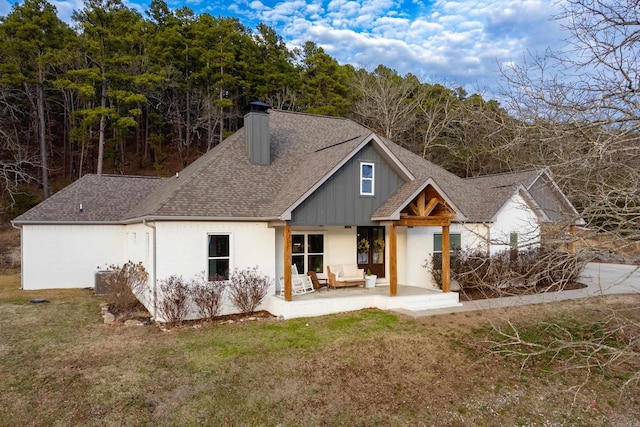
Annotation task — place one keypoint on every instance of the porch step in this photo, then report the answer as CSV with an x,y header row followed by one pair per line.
x,y
321,304
426,302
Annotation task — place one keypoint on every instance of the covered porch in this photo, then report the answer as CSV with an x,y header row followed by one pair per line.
x,y
327,301
424,207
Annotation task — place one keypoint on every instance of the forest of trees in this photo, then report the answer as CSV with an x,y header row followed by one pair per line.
x,y
119,92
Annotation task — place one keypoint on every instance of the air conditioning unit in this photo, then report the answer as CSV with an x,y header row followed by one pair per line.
x,y
101,285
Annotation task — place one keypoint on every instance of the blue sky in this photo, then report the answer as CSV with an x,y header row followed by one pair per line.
x,y
456,42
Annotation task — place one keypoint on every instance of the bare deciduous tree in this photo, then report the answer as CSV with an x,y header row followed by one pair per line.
x,y
16,165
578,114
388,103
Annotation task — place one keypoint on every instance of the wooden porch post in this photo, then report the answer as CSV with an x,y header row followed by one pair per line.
x,y
571,246
446,259
287,262
393,260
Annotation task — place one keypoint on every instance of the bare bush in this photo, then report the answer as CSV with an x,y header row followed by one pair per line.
x,y
124,284
247,289
610,344
208,296
512,273
174,301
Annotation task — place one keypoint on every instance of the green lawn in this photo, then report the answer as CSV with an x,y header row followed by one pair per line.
x,y
60,365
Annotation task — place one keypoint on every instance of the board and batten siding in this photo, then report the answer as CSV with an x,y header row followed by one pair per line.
x,y
549,199
338,200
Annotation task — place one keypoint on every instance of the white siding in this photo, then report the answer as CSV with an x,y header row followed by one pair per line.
x,y
182,250
182,247
138,240
515,216
68,256
340,246
419,250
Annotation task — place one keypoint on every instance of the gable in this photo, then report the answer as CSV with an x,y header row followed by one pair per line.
x,y
521,205
551,200
338,201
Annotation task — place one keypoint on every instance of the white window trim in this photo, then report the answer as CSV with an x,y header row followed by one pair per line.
x,y
306,254
206,251
372,179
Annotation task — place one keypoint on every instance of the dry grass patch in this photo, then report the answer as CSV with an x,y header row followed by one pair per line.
x,y
62,366
9,247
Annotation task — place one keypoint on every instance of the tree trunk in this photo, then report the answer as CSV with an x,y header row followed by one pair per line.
x,y
103,125
42,133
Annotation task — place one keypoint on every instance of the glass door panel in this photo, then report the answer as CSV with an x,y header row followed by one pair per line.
x,y
371,250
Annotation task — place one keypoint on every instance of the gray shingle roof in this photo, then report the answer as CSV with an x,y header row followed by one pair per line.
x,y
223,184
540,186
497,189
104,198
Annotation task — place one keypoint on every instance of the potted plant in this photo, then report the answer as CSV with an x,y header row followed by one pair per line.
x,y
370,280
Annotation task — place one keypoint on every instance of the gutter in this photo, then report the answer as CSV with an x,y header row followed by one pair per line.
x,y
153,270
138,220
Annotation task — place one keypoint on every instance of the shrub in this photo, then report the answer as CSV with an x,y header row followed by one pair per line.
x,y
507,272
174,299
207,296
124,283
247,289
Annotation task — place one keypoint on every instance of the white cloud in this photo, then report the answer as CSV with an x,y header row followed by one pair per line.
x,y
66,8
459,40
454,40
257,5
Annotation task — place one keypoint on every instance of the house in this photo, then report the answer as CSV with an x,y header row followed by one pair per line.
x,y
288,188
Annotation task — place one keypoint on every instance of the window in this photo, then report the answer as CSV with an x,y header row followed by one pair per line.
x,y
307,252
513,244
513,240
219,256
455,242
367,174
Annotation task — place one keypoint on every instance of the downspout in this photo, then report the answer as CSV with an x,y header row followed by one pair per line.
x,y
488,227
17,227
153,269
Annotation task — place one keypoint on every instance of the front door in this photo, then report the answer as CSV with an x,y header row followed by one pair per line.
x,y
370,249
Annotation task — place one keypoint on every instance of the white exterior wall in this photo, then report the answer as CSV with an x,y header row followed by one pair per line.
x,y
183,247
403,254
514,216
182,250
138,240
68,256
340,246
419,250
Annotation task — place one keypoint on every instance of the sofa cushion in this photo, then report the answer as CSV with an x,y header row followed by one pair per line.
x,y
351,270
337,270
